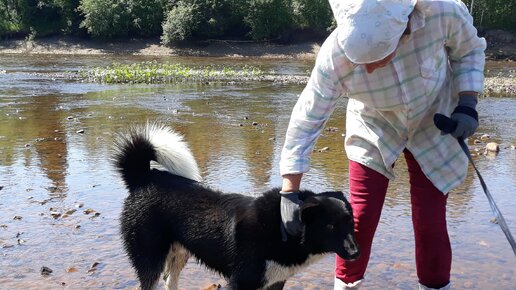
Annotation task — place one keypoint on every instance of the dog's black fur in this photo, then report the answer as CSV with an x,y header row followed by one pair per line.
x,y
168,217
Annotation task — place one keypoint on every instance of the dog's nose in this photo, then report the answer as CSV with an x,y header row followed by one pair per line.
x,y
351,247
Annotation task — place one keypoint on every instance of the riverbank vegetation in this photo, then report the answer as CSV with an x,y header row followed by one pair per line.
x,y
186,20
497,83
151,72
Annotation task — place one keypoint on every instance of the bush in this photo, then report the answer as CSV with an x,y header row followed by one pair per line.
x,y
5,19
121,18
203,19
180,23
313,14
147,16
268,18
46,17
105,18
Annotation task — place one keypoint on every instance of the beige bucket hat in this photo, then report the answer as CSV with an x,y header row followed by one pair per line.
x,y
370,30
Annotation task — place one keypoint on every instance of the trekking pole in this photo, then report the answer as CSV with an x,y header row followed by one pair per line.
x,y
447,125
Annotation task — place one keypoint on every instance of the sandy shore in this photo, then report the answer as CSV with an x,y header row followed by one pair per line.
x,y
78,46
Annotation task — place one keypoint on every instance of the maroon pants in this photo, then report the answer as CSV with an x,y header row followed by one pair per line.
x,y
367,194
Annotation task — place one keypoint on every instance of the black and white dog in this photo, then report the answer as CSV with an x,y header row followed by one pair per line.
x,y
171,215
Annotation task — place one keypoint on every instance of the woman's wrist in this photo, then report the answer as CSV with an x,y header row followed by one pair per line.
x,y
291,182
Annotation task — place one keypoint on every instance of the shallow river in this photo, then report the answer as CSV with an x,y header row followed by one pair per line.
x,y
55,150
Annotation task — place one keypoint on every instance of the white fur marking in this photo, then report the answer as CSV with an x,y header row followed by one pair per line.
x,y
275,272
172,151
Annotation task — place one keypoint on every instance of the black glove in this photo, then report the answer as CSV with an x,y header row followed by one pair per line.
x,y
466,117
290,218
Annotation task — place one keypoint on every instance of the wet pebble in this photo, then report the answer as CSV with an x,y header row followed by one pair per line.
x,y
331,129
70,211
53,189
79,205
55,214
492,147
80,131
90,211
93,267
17,218
45,271
71,270
485,137
324,149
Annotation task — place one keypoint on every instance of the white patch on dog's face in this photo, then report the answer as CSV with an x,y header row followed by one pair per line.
x,y
275,272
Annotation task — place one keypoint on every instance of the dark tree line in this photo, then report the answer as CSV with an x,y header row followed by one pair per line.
x,y
180,20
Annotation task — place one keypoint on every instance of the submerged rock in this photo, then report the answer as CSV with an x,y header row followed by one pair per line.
x,y
45,271
492,147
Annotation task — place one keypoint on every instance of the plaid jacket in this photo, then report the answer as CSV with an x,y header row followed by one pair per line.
x,y
392,108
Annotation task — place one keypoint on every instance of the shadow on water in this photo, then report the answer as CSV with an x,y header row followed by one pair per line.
x,y
60,198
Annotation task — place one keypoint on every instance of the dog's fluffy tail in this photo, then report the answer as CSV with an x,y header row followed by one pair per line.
x,y
152,142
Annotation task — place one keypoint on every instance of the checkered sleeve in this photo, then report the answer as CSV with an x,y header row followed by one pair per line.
x,y
313,108
466,49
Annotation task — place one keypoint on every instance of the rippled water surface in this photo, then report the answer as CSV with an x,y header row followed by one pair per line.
x,y
55,150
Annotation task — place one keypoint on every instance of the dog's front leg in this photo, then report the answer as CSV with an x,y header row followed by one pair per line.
x,y
247,277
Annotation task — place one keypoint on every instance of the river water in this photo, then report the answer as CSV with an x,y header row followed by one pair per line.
x,y
60,198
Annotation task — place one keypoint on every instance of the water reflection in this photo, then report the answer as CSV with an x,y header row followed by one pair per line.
x,y
55,138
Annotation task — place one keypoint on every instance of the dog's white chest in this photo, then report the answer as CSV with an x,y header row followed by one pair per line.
x,y
275,272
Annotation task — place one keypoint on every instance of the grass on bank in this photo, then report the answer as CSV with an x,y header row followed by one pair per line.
x,y
152,72
497,82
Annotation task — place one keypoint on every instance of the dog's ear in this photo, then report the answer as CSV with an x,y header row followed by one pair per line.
x,y
309,210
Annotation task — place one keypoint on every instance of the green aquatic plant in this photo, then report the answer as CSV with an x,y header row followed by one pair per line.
x,y
152,72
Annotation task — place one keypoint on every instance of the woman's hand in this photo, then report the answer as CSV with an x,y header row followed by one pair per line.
x,y
465,115
289,206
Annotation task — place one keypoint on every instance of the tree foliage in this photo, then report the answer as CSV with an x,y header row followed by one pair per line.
x,y
499,14
181,22
43,17
178,20
122,18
